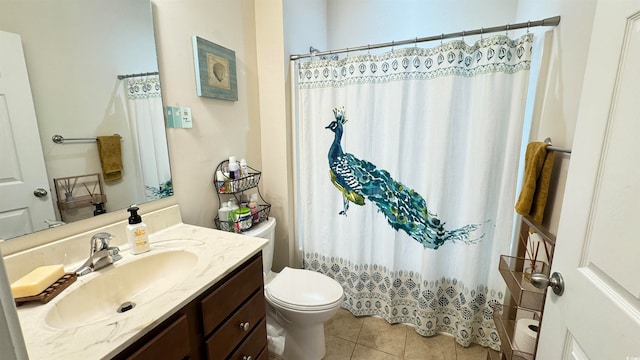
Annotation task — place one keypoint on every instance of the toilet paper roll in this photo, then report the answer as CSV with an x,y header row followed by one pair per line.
x,y
276,345
275,336
274,330
525,335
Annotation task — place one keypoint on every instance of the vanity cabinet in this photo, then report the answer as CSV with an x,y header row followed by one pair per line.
x,y
227,321
171,343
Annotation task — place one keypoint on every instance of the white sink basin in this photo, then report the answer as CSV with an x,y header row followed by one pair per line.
x,y
137,281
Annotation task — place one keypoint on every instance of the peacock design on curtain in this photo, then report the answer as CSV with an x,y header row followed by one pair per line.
x,y
432,145
404,208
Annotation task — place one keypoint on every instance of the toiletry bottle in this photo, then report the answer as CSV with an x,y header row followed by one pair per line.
x,y
137,232
223,216
244,200
99,208
227,179
234,168
233,206
244,169
253,205
243,219
244,172
234,173
220,181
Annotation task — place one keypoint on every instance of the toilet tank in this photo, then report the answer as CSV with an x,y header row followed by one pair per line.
x,y
266,230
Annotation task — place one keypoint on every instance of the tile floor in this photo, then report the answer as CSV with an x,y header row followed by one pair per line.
x,y
371,338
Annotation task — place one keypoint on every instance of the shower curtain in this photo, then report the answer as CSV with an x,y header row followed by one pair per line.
x,y
406,171
146,120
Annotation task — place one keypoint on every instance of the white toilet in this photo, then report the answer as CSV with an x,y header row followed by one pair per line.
x,y
300,300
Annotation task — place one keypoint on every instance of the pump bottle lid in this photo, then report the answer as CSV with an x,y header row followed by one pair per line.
x,y
134,218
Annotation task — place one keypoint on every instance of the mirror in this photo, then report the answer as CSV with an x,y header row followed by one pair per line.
x,y
74,51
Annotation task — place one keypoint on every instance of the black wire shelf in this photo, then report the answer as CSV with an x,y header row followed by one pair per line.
x,y
235,188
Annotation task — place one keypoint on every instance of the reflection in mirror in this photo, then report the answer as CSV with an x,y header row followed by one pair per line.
x,y
74,51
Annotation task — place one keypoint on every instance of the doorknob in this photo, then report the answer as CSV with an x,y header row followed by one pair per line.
x,y
40,192
556,282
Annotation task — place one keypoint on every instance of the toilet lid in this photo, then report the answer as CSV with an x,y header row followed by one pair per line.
x,y
304,290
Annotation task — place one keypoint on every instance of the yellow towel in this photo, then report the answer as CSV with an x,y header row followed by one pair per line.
x,y
538,164
110,157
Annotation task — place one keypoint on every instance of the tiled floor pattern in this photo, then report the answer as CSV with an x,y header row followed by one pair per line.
x,y
371,338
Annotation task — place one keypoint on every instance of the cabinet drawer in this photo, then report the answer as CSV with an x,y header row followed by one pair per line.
x,y
255,346
231,333
223,301
171,343
264,355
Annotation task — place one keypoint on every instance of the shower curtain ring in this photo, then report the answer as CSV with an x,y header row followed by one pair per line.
x,y
441,38
528,25
415,44
506,33
393,43
463,32
481,33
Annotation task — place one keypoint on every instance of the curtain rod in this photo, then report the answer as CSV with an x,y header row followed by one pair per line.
x,y
552,21
120,77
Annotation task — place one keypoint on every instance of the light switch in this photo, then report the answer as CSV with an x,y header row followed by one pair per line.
x,y
186,117
178,117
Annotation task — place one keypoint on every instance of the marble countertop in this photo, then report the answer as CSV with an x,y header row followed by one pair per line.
x,y
218,254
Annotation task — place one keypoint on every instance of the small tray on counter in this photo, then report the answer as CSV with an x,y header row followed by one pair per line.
x,y
52,291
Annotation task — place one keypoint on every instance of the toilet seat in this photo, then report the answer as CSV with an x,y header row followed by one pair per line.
x,y
304,290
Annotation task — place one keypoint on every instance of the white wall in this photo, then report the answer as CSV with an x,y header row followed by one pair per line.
x,y
361,22
305,25
220,128
276,145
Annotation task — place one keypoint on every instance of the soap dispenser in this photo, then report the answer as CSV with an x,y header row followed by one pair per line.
x,y
137,232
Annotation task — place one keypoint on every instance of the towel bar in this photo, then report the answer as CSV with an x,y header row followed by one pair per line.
x,y
59,139
556,148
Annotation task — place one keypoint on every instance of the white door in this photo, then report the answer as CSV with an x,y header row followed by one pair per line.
x,y
22,169
598,242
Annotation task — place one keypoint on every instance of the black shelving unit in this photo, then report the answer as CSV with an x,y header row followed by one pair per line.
x,y
235,188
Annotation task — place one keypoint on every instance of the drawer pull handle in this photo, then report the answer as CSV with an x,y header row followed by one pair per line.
x,y
247,357
245,327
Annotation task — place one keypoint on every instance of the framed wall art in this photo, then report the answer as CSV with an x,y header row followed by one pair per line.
x,y
215,70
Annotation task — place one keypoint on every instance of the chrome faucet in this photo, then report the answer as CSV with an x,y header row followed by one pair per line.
x,y
100,254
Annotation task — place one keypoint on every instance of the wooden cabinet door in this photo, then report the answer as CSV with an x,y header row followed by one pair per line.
x,y
171,344
234,330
